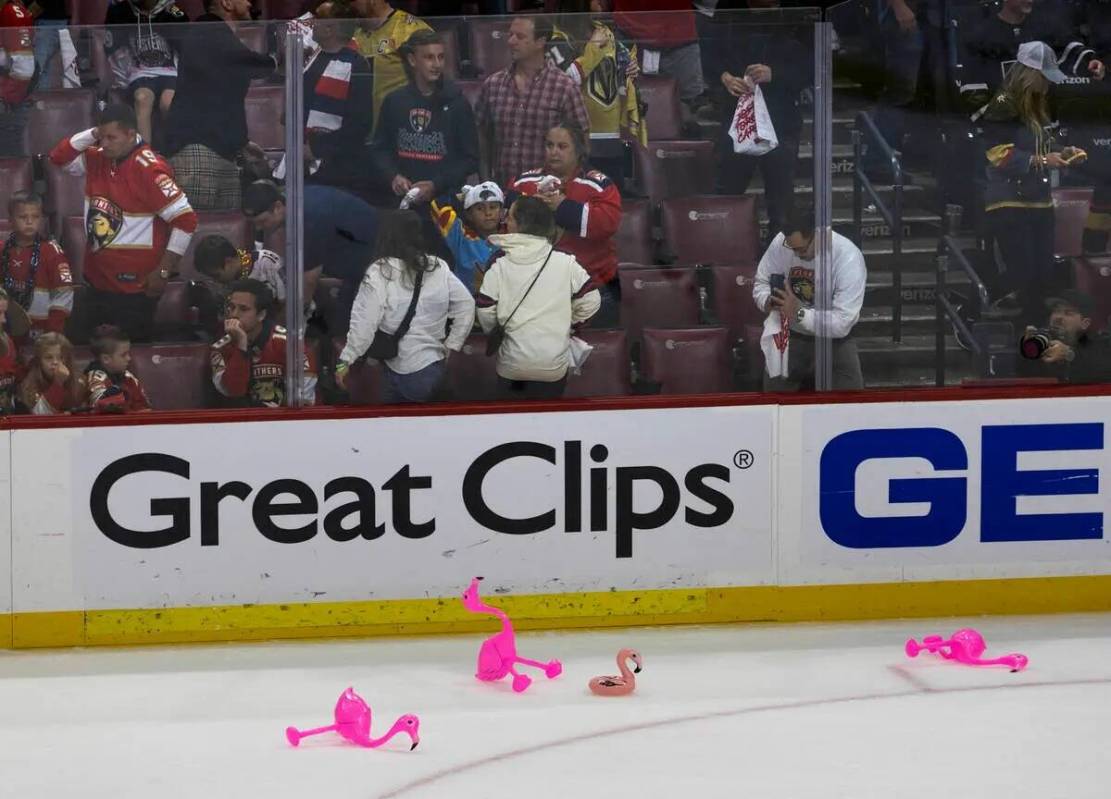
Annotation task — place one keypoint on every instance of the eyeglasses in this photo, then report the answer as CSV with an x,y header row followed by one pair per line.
x,y
799,250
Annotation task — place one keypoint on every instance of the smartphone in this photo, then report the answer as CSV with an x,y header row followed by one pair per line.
x,y
778,282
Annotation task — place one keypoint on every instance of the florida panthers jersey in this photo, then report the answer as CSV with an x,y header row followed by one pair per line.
x,y
16,52
257,377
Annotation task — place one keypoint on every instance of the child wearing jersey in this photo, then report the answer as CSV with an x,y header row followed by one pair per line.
x,y
467,235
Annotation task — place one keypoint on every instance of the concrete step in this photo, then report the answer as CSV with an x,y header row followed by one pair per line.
x,y
918,320
880,355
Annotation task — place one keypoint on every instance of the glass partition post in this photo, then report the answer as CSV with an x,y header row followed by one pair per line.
x,y
294,214
823,244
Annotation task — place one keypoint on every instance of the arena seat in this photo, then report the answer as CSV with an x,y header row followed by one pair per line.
x,y
660,95
230,224
634,236
16,174
175,376
72,237
364,383
687,361
489,44
663,297
470,373
56,115
264,106
606,371
65,195
470,90
1093,275
731,298
666,169
176,317
711,229
1070,212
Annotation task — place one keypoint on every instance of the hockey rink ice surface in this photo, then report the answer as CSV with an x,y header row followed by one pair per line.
x,y
808,710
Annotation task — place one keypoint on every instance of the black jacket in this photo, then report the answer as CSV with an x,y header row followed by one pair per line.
x,y
1092,363
426,138
214,73
153,39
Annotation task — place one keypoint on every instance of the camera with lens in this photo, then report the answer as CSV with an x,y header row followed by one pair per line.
x,y
1034,343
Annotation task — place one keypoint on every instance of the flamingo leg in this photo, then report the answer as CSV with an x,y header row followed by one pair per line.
x,y
534,663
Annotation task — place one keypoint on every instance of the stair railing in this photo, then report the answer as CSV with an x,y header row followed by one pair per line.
x,y
866,132
949,250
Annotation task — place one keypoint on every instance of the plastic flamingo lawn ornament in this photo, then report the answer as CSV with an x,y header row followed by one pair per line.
x,y
352,721
965,646
626,683
498,654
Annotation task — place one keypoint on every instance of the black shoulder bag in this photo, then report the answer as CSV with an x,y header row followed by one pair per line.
x,y
496,336
385,345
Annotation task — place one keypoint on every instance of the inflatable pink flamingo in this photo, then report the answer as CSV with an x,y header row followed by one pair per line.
x,y
498,654
352,716
965,646
619,686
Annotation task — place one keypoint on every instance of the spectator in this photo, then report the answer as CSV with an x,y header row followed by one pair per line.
x,y
413,294
535,294
34,270
138,222
1074,354
993,46
668,43
145,56
207,129
467,235
425,138
50,17
587,51
518,105
17,71
745,55
12,318
1018,197
339,235
587,208
338,96
385,30
224,264
112,388
784,289
52,384
249,362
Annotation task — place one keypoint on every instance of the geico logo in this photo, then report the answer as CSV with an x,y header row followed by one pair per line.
x,y
675,153
626,518
264,509
1002,483
701,216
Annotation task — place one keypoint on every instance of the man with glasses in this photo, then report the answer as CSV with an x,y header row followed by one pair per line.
x,y
785,288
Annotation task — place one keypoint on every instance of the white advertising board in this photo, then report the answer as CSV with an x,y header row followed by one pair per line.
x,y
5,526
392,508
896,492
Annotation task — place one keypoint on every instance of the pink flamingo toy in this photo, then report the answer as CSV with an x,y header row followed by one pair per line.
x,y
498,654
966,646
619,686
352,717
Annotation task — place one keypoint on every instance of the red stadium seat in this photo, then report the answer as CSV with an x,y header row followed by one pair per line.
x,y
666,169
711,230
470,90
470,373
1093,275
489,41
634,236
176,317
230,224
15,175
73,240
1070,211
175,376
264,106
606,371
691,361
65,194
731,299
364,383
661,97
658,298
57,115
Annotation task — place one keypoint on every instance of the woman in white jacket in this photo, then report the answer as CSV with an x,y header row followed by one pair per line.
x,y
383,300
541,293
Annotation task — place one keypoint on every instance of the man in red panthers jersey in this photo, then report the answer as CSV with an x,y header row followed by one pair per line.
x,y
248,364
138,222
17,70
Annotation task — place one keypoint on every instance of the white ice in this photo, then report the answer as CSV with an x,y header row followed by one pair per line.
x,y
780,711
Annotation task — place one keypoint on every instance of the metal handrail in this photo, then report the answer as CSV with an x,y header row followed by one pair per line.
x,y
949,248
866,129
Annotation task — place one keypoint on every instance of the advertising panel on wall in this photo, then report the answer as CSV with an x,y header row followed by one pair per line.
x,y
899,492
169,516
5,542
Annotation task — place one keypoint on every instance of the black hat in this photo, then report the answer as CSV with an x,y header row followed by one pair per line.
x,y
1080,300
260,197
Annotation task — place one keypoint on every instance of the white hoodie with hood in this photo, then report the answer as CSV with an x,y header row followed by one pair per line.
x,y
539,334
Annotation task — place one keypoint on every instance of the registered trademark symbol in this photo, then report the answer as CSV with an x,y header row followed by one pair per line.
x,y
743,459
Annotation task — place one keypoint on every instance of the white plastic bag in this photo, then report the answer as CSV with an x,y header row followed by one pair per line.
x,y
577,352
751,130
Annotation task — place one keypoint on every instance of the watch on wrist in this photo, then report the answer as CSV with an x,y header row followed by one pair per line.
x,y
799,314
164,274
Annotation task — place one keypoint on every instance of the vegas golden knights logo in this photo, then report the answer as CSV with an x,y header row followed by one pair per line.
x,y
102,222
602,84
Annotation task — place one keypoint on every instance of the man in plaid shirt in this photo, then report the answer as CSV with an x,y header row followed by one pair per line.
x,y
518,105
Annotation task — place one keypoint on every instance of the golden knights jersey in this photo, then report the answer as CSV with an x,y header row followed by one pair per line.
x,y
379,47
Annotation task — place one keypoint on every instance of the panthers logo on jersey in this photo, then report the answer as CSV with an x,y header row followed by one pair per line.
x,y
102,222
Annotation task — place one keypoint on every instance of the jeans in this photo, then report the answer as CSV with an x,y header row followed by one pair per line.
x,y
902,61
778,170
133,313
1024,237
418,386
47,46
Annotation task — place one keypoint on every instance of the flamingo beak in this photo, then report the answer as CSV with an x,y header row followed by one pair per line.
x,y
636,670
415,742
